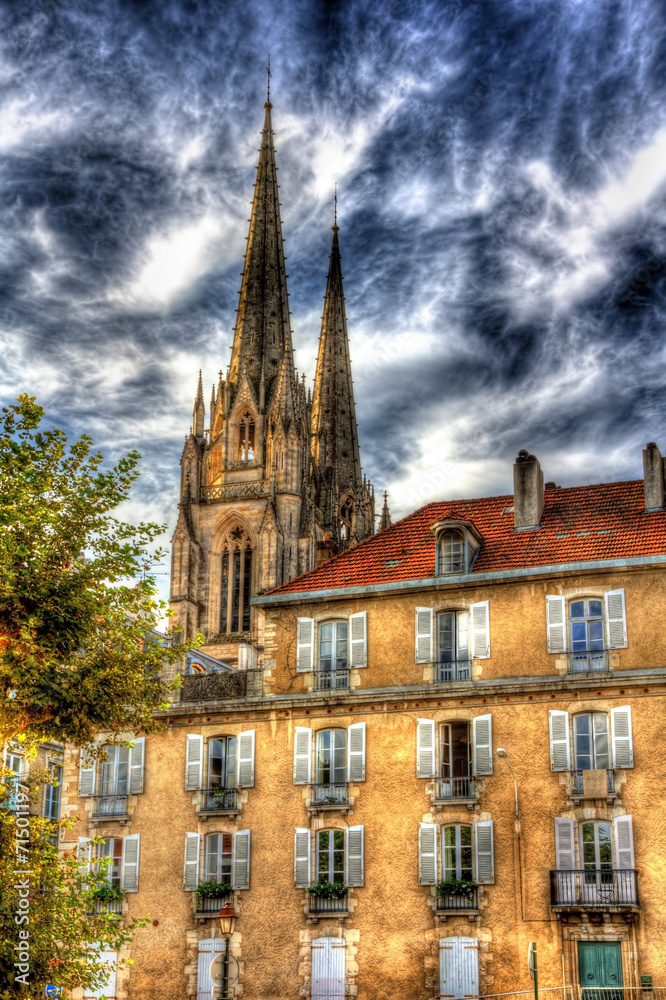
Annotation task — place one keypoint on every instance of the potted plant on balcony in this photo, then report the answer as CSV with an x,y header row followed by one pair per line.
x,y
457,887
107,892
327,890
212,890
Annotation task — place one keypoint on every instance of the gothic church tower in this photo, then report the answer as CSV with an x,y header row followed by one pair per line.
x,y
274,484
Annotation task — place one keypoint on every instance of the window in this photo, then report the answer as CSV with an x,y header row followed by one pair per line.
x,y
586,628
246,438
222,762
451,552
338,856
333,646
340,645
457,853
114,771
591,746
458,543
331,856
458,759
122,859
455,761
235,581
453,659
120,775
331,760
218,857
112,851
52,794
346,511
14,763
605,873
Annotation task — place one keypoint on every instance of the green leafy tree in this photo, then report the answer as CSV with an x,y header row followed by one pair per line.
x,y
67,927
78,650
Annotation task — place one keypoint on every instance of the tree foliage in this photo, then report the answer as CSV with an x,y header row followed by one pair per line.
x,y
78,650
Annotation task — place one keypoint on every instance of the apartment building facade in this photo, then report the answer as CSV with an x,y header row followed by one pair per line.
x,y
400,688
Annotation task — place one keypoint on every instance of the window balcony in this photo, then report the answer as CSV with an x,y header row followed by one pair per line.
x,y
457,902
324,797
110,807
455,789
332,680
218,801
320,906
594,889
593,784
208,907
453,670
588,661
107,906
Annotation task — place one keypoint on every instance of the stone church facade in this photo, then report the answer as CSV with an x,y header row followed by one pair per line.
x,y
273,485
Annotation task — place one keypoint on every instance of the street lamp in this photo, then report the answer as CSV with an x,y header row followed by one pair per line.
x,y
501,752
227,920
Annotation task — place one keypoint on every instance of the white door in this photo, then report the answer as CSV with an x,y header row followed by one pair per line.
x,y
207,951
328,969
458,967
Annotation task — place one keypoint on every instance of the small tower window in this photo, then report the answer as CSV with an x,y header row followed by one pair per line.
x,y
246,438
458,544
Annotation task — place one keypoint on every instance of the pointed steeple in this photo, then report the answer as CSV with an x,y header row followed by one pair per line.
x,y
199,413
263,331
334,433
385,519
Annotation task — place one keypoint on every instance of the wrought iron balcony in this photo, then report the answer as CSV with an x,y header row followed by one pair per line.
x,y
108,906
328,796
578,786
457,901
210,906
454,670
218,800
594,888
109,806
454,788
332,680
588,661
322,905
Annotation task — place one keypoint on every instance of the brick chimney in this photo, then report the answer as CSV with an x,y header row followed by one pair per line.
x,y
653,477
527,492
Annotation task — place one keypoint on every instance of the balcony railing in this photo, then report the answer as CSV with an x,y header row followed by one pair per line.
x,y
588,661
210,906
454,670
332,680
594,887
324,796
578,785
458,901
109,805
108,906
320,904
219,800
455,788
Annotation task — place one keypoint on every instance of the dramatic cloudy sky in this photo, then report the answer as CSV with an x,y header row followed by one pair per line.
x,y
501,167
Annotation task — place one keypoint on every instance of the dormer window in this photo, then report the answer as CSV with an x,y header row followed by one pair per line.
x,y
458,543
246,438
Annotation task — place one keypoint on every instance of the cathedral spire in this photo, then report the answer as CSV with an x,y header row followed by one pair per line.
x,y
385,519
263,331
199,413
334,433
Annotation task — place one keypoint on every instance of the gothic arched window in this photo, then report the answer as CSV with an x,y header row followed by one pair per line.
x,y
345,519
246,438
236,581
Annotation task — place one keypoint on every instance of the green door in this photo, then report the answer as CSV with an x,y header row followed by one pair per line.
x,y
600,965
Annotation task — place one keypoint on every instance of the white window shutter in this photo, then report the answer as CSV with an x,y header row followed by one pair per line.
x,y
207,951
305,644
482,728
564,845
87,771
302,755
358,631
480,629
425,748
108,987
427,853
458,967
485,860
245,765
131,862
560,746
136,765
616,619
423,630
621,738
192,845
194,762
240,865
356,752
328,969
556,624
302,858
355,855
624,842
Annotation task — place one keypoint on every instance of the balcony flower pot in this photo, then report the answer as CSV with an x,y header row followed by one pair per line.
x,y
327,890
457,887
206,890
108,893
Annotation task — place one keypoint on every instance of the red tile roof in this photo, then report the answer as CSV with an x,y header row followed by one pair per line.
x,y
579,524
